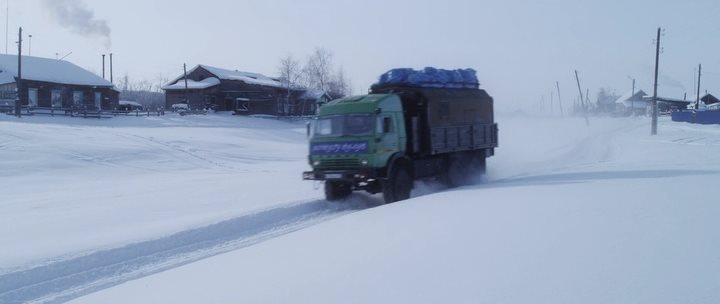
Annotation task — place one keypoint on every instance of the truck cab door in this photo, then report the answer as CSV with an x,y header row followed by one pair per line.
x,y
388,140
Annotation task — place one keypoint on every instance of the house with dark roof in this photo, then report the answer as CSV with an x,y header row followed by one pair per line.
x,y
667,105
242,92
709,99
51,83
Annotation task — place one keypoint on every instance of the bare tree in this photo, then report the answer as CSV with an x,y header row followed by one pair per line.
x,y
339,85
318,69
146,92
290,73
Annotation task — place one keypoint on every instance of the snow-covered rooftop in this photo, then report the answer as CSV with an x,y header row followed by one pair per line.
x,y
312,94
6,78
48,70
224,74
638,103
193,85
129,103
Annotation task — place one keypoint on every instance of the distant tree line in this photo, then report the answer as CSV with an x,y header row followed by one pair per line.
x,y
145,92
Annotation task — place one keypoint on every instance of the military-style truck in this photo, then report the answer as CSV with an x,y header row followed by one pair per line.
x,y
413,125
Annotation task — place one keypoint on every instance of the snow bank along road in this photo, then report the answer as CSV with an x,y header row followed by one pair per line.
x,y
91,206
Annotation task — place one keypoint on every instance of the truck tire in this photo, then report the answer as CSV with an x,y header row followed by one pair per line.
x,y
398,185
457,173
335,191
479,165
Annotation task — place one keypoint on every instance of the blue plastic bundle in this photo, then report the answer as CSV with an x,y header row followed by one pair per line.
x,y
431,78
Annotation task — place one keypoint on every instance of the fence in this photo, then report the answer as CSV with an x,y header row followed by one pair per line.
x,y
702,117
82,112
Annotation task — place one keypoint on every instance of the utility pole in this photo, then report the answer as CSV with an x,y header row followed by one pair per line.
x,y
582,99
29,45
587,99
18,98
653,130
632,99
187,98
7,25
697,102
557,83
103,57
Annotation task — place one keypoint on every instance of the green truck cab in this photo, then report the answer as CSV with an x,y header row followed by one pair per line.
x,y
383,141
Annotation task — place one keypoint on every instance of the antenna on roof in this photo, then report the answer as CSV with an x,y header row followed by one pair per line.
x,y
68,54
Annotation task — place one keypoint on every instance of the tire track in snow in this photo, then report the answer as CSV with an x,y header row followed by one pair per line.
x,y
175,150
594,148
63,280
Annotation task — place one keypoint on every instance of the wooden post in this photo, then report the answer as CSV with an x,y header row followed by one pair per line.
x,y
187,97
697,102
559,99
653,130
582,100
18,82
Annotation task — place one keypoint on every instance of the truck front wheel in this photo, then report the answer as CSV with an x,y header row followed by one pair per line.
x,y
335,191
398,186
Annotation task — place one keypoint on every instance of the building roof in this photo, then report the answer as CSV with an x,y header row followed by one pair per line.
x,y
670,100
193,85
224,74
129,103
311,94
709,99
631,99
48,70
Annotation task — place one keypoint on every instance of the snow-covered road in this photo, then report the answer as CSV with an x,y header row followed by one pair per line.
x,y
66,279
567,213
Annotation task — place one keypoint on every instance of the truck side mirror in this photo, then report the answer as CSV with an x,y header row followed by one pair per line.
x,y
307,127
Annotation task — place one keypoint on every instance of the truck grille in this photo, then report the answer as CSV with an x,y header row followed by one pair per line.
x,y
339,163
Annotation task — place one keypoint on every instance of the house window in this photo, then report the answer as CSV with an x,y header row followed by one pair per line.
x,y
33,98
56,98
78,98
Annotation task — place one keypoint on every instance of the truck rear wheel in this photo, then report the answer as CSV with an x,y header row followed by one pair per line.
x,y
479,165
398,186
335,190
457,172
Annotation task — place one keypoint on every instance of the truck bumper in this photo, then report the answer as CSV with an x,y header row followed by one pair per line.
x,y
352,176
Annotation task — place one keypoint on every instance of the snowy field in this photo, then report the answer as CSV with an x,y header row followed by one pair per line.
x,y
211,209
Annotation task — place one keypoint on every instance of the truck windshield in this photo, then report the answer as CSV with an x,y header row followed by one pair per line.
x,y
345,125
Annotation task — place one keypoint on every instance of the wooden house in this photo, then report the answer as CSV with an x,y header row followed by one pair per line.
x,y
242,92
51,83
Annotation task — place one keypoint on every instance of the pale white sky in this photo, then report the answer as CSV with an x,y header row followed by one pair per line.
x,y
519,47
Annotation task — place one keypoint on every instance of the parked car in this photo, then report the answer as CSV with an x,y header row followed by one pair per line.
x,y
180,106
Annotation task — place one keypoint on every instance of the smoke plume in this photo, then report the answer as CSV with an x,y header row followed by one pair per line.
x,y
75,16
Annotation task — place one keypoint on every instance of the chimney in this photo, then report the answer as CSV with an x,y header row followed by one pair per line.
x,y
111,68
